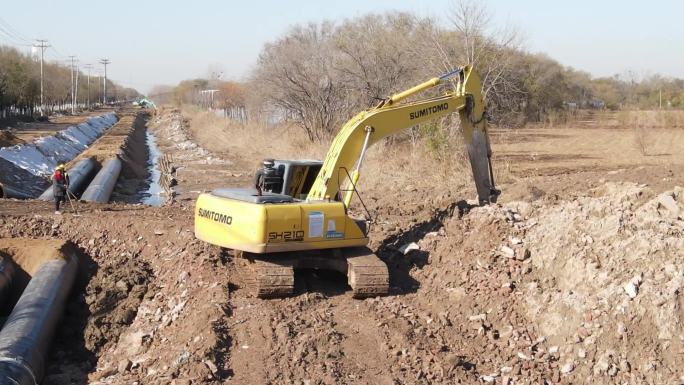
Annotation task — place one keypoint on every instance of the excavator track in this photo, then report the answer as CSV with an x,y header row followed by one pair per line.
x,y
367,275
272,275
269,278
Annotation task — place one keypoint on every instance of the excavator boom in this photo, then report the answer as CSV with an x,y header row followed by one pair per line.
x,y
342,165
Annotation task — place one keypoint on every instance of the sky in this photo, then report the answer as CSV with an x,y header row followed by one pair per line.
x,y
164,41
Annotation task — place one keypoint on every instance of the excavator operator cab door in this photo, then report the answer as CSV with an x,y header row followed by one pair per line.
x,y
298,176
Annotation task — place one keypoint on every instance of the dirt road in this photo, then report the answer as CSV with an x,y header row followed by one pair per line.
x,y
527,291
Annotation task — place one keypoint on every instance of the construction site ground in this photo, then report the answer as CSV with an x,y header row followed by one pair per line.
x,y
575,277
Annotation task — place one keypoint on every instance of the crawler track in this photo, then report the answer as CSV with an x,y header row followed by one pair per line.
x,y
367,276
270,278
272,275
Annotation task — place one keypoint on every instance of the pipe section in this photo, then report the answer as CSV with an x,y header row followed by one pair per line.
x,y
79,175
26,336
10,192
100,189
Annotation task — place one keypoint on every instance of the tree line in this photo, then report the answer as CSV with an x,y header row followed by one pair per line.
x,y
20,85
318,75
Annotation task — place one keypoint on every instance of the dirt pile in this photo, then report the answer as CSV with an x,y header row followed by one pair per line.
x,y
172,128
8,139
451,317
609,281
133,151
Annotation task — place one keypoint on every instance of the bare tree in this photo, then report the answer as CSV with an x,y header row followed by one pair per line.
x,y
492,51
377,56
296,73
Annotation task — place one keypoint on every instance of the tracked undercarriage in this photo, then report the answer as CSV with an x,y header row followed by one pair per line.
x,y
272,275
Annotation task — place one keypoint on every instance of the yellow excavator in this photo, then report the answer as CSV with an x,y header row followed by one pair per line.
x,y
297,216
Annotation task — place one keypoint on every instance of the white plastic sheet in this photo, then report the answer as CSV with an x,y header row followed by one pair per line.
x,y
42,155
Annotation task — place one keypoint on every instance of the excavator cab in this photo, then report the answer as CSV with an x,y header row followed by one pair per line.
x,y
293,178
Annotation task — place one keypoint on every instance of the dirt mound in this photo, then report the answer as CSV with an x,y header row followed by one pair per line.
x,y
8,139
134,153
609,282
30,253
196,170
173,128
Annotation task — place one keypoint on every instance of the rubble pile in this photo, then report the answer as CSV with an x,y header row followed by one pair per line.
x,y
609,280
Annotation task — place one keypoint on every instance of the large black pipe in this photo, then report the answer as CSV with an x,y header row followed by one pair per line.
x,y
79,176
26,336
100,189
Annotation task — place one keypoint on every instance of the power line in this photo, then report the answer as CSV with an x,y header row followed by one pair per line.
x,y
14,36
57,51
14,31
11,39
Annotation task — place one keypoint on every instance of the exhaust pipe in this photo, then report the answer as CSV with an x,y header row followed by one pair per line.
x,y
100,189
79,175
26,336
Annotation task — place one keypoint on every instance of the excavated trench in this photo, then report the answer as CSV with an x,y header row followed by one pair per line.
x,y
139,178
154,194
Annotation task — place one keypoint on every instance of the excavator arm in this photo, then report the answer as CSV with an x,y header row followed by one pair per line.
x,y
342,166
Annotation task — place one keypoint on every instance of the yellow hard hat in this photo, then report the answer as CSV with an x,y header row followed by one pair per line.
x,y
60,167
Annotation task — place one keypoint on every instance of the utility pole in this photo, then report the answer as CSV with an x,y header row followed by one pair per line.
x,y
42,44
73,96
89,67
105,61
77,74
99,84
660,98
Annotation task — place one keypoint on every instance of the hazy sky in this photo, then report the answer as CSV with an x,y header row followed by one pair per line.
x,y
162,42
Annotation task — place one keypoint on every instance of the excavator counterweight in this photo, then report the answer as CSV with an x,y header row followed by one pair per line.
x,y
296,216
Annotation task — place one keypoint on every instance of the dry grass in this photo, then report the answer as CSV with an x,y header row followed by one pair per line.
x,y
412,163
651,119
397,164
402,165
222,136
641,140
